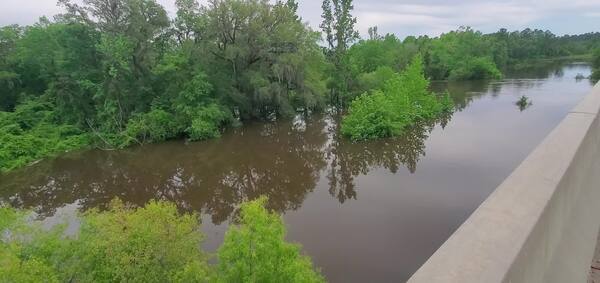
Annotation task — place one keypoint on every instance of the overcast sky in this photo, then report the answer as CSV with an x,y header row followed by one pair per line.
x,y
405,17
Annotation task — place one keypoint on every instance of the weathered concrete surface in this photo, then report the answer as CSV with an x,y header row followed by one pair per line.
x,y
595,266
541,223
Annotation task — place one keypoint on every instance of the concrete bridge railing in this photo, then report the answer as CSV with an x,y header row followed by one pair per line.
x,y
541,223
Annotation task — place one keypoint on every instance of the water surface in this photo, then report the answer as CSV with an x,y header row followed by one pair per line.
x,y
366,212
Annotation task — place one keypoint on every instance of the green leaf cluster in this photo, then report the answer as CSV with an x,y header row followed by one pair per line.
x,y
255,250
205,124
31,133
155,243
464,54
400,103
200,123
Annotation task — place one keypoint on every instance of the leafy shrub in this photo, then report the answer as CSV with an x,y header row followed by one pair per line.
x,y
207,122
375,79
372,117
403,100
256,251
475,69
32,113
154,126
8,217
15,269
151,244
198,123
16,265
462,55
29,134
203,130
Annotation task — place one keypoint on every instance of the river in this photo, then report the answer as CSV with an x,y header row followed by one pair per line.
x,y
365,212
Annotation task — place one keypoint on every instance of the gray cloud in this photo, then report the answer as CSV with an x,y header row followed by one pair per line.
x,y
404,17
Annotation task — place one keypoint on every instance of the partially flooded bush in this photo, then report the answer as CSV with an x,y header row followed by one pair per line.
x,y
207,122
402,101
154,126
478,68
197,123
31,133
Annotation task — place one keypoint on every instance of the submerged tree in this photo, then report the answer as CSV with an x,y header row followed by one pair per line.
x,y
523,103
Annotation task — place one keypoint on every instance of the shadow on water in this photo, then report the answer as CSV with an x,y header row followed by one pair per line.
x,y
347,160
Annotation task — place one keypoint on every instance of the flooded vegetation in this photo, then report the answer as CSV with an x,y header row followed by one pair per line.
x,y
369,211
248,141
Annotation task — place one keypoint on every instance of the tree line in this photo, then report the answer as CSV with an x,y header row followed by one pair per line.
x,y
113,73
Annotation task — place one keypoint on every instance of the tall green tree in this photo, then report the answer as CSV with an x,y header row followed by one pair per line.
x,y
9,79
338,28
189,25
264,57
463,54
130,31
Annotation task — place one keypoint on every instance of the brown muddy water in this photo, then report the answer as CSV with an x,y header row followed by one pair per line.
x,y
366,212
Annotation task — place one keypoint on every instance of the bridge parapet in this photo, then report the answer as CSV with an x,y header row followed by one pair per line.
x,y
541,224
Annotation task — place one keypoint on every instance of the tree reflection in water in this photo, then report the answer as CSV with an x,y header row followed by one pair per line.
x,y
283,160
347,159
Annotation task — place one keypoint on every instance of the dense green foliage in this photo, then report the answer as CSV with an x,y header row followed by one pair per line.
x,y
125,73
462,55
151,244
596,65
339,33
519,46
401,102
32,132
255,251
115,75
